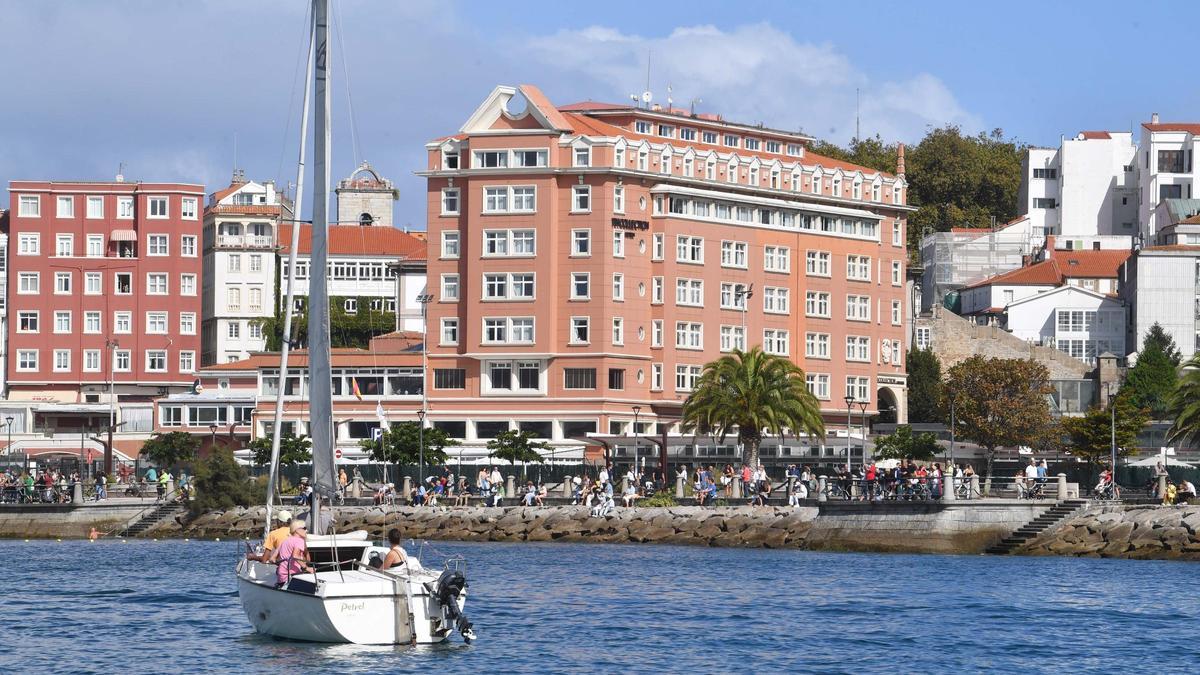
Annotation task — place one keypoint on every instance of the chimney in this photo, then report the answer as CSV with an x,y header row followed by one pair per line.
x,y
899,159
1153,118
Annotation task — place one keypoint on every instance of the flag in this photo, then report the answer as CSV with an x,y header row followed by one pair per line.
x,y
354,388
379,413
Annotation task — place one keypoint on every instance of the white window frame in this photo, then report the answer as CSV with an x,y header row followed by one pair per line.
x,y
689,335
91,361
64,206
685,245
776,300
777,341
581,199
27,360
94,246
124,208
24,287
161,242
448,325
29,243
29,206
64,245
618,247
62,361
122,323
576,323
122,356
818,264
450,288
59,287
817,299
450,197
152,353
62,321
187,284
188,208
187,361
187,323
897,312
816,345
152,201
151,288
451,241
187,245
586,278
735,254
581,235
618,287
618,331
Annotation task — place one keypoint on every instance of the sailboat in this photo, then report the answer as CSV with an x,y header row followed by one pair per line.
x,y
348,597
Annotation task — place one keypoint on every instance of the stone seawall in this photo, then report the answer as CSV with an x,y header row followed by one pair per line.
x,y
1139,532
906,527
46,521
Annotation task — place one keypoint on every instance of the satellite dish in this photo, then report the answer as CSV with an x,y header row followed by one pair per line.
x,y
647,97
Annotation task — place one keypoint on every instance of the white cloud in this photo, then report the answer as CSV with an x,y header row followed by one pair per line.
x,y
751,73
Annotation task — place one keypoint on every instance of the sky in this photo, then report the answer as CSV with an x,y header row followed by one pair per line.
x,y
176,90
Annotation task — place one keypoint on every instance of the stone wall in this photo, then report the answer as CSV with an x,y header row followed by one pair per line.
x,y
922,528
63,520
956,339
1141,532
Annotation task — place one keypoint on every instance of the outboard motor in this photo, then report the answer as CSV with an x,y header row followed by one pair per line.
x,y
449,586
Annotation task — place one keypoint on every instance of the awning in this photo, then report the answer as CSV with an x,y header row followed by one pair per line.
x,y
123,235
69,409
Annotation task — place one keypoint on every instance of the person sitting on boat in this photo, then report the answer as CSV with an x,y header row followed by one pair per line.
x,y
274,538
396,556
292,554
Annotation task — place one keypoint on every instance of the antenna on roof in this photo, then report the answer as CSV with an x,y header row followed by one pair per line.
x,y
121,172
646,95
693,105
235,151
857,115
670,101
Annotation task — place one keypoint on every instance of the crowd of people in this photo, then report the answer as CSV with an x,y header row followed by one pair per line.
x,y
53,486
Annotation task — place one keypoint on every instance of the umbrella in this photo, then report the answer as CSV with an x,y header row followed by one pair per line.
x,y
1153,461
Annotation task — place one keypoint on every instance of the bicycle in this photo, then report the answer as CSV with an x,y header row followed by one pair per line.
x,y
835,491
964,490
1108,492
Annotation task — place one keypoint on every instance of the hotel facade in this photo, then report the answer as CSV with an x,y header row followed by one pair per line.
x,y
586,261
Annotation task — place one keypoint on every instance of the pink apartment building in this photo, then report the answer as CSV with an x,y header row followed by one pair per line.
x,y
587,260
104,281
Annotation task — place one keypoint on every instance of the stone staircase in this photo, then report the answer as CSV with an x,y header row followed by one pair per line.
x,y
148,519
1029,531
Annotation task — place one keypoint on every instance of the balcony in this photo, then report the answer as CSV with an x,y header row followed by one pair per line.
x,y
245,241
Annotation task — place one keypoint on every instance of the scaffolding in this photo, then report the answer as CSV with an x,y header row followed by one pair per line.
x,y
961,257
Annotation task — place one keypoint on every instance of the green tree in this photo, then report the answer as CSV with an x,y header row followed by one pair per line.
x,y
926,392
869,152
1000,402
957,180
346,329
1151,381
1091,436
516,446
222,483
401,445
903,443
292,450
1184,404
171,449
755,392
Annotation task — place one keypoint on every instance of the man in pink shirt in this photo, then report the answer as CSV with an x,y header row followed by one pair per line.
x,y
292,554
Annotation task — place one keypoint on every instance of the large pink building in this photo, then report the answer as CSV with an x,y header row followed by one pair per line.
x,y
104,282
587,260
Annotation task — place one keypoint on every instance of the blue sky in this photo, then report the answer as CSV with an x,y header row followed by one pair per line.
x,y
164,86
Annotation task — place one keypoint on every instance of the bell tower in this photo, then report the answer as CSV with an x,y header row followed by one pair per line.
x,y
365,198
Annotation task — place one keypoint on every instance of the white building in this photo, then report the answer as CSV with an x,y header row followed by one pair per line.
x,y
1161,284
1076,321
1165,170
1085,187
1178,222
240,226
1090,269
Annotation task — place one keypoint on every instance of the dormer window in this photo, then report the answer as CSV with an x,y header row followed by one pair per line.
x,y
449,159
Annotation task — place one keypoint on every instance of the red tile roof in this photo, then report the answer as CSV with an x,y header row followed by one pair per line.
x,y
1064,265
233,187
1173,247
359,240
246,209
1191,128
592,127
593,105
1093,135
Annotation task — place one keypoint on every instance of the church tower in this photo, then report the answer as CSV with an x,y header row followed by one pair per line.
x,y
365,198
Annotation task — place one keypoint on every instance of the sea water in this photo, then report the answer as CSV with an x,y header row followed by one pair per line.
x,y
172,607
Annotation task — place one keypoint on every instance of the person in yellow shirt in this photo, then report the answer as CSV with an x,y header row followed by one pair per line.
x,y
274,538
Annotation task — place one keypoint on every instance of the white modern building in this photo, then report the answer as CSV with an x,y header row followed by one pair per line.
x,y
240,227
1084,187
1075,320
1161,284
1178,222
1165,170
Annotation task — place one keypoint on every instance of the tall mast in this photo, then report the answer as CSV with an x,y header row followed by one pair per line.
x,y
319,368
285,347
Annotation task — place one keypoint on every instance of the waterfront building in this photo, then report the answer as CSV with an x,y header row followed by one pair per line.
x,y
240,227
1085,187
587,260
105,310
1161,284
1165,170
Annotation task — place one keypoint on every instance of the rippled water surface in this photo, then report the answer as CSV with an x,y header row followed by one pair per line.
x,y
172,606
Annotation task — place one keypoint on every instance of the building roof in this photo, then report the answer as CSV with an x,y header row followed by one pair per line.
x,y
593,105
244,209
1064,265
1191,128
1066,290
590,126
372,240
1094,135
1183,210
1172,247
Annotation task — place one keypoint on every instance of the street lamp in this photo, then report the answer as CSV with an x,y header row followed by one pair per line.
x,y
421,447
849,423
863,406
8,448
213,429
424,299
741,294
953,468
1112,407
636,445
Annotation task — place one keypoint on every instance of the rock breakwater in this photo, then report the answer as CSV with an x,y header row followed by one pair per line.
x,y
1139,532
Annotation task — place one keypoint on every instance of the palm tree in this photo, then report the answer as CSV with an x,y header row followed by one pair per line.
x,y
1184,403
757,393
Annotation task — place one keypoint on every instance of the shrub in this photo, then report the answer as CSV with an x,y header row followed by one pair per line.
x,y
661,498
222,483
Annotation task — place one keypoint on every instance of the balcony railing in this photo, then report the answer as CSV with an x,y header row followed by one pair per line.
x,y
244,241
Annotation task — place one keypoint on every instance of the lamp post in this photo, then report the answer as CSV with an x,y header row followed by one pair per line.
x,y
1112,407
636,445
952,465
741,294
421,446
8,448
112,345
213,429
863,406
424,299
849,423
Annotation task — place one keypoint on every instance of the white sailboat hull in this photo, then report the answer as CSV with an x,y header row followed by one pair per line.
x,y
360,607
